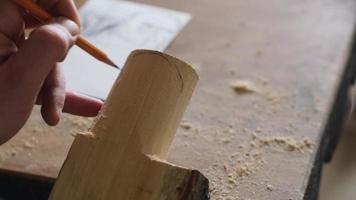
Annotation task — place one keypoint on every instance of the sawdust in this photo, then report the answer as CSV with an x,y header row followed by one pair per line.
x,y
244,130
186,125
33,134
226,178
243,170
8,153
28,145
36,130
228,174
274,98
80,123
87,134
225,136
243,87
287,143
13,149
189,129
31,143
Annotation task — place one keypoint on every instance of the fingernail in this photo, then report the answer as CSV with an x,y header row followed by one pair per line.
x,y
70,25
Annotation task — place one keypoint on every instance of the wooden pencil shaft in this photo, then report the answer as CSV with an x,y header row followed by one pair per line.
x,y
91,49
34,9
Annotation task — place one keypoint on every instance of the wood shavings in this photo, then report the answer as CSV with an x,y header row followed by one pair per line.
x,y
244,130
253,144
243,87
36,130
229,130
80,122
28,145
254,136
34,140
287,143
189,128
8,153
186,125
227,135
242,171
249,158
226,140
269,187
275,99
87,134
226,176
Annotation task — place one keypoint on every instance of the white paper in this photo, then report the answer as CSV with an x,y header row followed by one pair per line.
x,y
118,27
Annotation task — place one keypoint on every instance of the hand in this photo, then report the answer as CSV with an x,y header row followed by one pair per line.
x,y
29,69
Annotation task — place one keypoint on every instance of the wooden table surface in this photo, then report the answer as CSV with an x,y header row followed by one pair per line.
x,y
256,145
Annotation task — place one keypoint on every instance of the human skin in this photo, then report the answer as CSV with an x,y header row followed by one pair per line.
x,y
30,72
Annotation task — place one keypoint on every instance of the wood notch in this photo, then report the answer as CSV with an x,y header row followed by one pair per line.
x,y
123,155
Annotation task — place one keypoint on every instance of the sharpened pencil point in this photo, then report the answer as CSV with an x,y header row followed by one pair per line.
x,y
111,63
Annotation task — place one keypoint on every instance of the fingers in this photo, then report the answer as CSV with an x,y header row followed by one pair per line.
x,y
7,47
23,74
45,47
78,104
53,96
11,22
51,99
13,18
54,99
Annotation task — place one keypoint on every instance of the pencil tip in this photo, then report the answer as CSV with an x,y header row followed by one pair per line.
x,y
110,62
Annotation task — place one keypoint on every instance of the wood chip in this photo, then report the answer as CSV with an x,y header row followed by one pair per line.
x,y
243,87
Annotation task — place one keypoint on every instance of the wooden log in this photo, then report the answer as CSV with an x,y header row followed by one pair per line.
x,y
123,155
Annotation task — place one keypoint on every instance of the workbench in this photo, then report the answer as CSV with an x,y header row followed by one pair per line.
x,y
267,143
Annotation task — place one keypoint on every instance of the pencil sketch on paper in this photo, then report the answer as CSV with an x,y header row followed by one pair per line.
x,y
131,24
98,25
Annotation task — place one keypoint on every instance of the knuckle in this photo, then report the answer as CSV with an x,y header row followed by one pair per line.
x,y
54,39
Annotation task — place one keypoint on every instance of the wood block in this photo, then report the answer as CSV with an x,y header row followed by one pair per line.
x,y
123,155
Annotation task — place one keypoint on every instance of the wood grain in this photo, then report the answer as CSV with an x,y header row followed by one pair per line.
x,y
122,156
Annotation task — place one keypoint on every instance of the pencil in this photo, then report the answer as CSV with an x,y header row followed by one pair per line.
x,y
43,16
